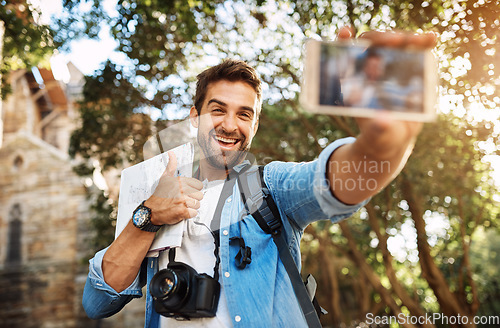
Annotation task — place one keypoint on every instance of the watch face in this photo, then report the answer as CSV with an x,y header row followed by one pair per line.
x,y
141,217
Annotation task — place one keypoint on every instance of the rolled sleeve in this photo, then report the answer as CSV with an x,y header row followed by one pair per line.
x,y
330,205
99,299
302,190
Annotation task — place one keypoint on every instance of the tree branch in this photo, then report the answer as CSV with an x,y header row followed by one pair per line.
x,y
372,277
447,301
465,265
407,300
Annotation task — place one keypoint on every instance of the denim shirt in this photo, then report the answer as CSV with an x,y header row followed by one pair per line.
x,y
261,292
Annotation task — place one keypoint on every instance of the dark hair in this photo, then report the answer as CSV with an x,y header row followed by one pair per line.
x,y
372,53
231,70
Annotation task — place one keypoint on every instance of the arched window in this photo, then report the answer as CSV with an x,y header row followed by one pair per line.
x,y
14,235
18,162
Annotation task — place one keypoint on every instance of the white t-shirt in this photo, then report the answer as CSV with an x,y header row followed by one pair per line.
x,y
197,250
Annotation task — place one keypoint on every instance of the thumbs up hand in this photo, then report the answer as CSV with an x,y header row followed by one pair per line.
x,y
175,198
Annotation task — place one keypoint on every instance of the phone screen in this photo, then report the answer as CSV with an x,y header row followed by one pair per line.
x,y
358,80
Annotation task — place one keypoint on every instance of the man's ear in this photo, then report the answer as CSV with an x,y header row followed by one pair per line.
x,y
256,126
193,117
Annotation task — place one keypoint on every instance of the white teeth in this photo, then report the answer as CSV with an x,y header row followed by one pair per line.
x,y
226,140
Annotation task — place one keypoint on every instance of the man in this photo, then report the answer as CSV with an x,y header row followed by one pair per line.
x,y
363,89
226,113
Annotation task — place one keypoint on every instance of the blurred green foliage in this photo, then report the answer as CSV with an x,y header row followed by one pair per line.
x,y
26,43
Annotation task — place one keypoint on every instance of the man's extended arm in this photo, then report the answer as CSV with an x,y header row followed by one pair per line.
x,y
359,170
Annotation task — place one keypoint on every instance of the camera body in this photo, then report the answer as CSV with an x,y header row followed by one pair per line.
x,y
179,291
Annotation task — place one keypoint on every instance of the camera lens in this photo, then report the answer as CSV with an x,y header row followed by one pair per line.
x,y
168,283
170,287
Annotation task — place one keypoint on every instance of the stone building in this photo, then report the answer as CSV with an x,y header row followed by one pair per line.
x,y
42,205
44,210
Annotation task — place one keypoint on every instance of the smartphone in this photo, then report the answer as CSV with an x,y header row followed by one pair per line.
x,y
357,79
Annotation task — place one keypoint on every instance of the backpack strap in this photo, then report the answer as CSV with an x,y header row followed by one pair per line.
x,y
260,204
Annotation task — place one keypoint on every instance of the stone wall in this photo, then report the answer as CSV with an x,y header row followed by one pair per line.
x,y
38,265
2,28
44,287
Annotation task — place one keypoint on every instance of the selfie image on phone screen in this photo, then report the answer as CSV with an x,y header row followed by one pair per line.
x,y
371,78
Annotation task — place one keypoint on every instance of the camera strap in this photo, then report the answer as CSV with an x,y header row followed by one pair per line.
x,y
227,190
268,218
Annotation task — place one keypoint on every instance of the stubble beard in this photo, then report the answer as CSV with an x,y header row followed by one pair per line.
x,y
221,159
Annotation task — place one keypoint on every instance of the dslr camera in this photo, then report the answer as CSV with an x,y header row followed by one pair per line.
x,y
182,293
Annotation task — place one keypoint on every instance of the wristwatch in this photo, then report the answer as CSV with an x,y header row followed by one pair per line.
x,y
141,218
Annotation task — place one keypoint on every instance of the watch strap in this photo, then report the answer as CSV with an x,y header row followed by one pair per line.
x,y
148,226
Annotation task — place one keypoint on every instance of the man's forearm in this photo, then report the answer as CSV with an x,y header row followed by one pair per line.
x,y
175,199
355,176
360,170
123,259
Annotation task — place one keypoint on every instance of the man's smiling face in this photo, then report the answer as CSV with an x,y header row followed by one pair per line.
x,y
227,122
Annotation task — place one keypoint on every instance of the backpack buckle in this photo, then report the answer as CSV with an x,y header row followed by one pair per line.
x,y
244,256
